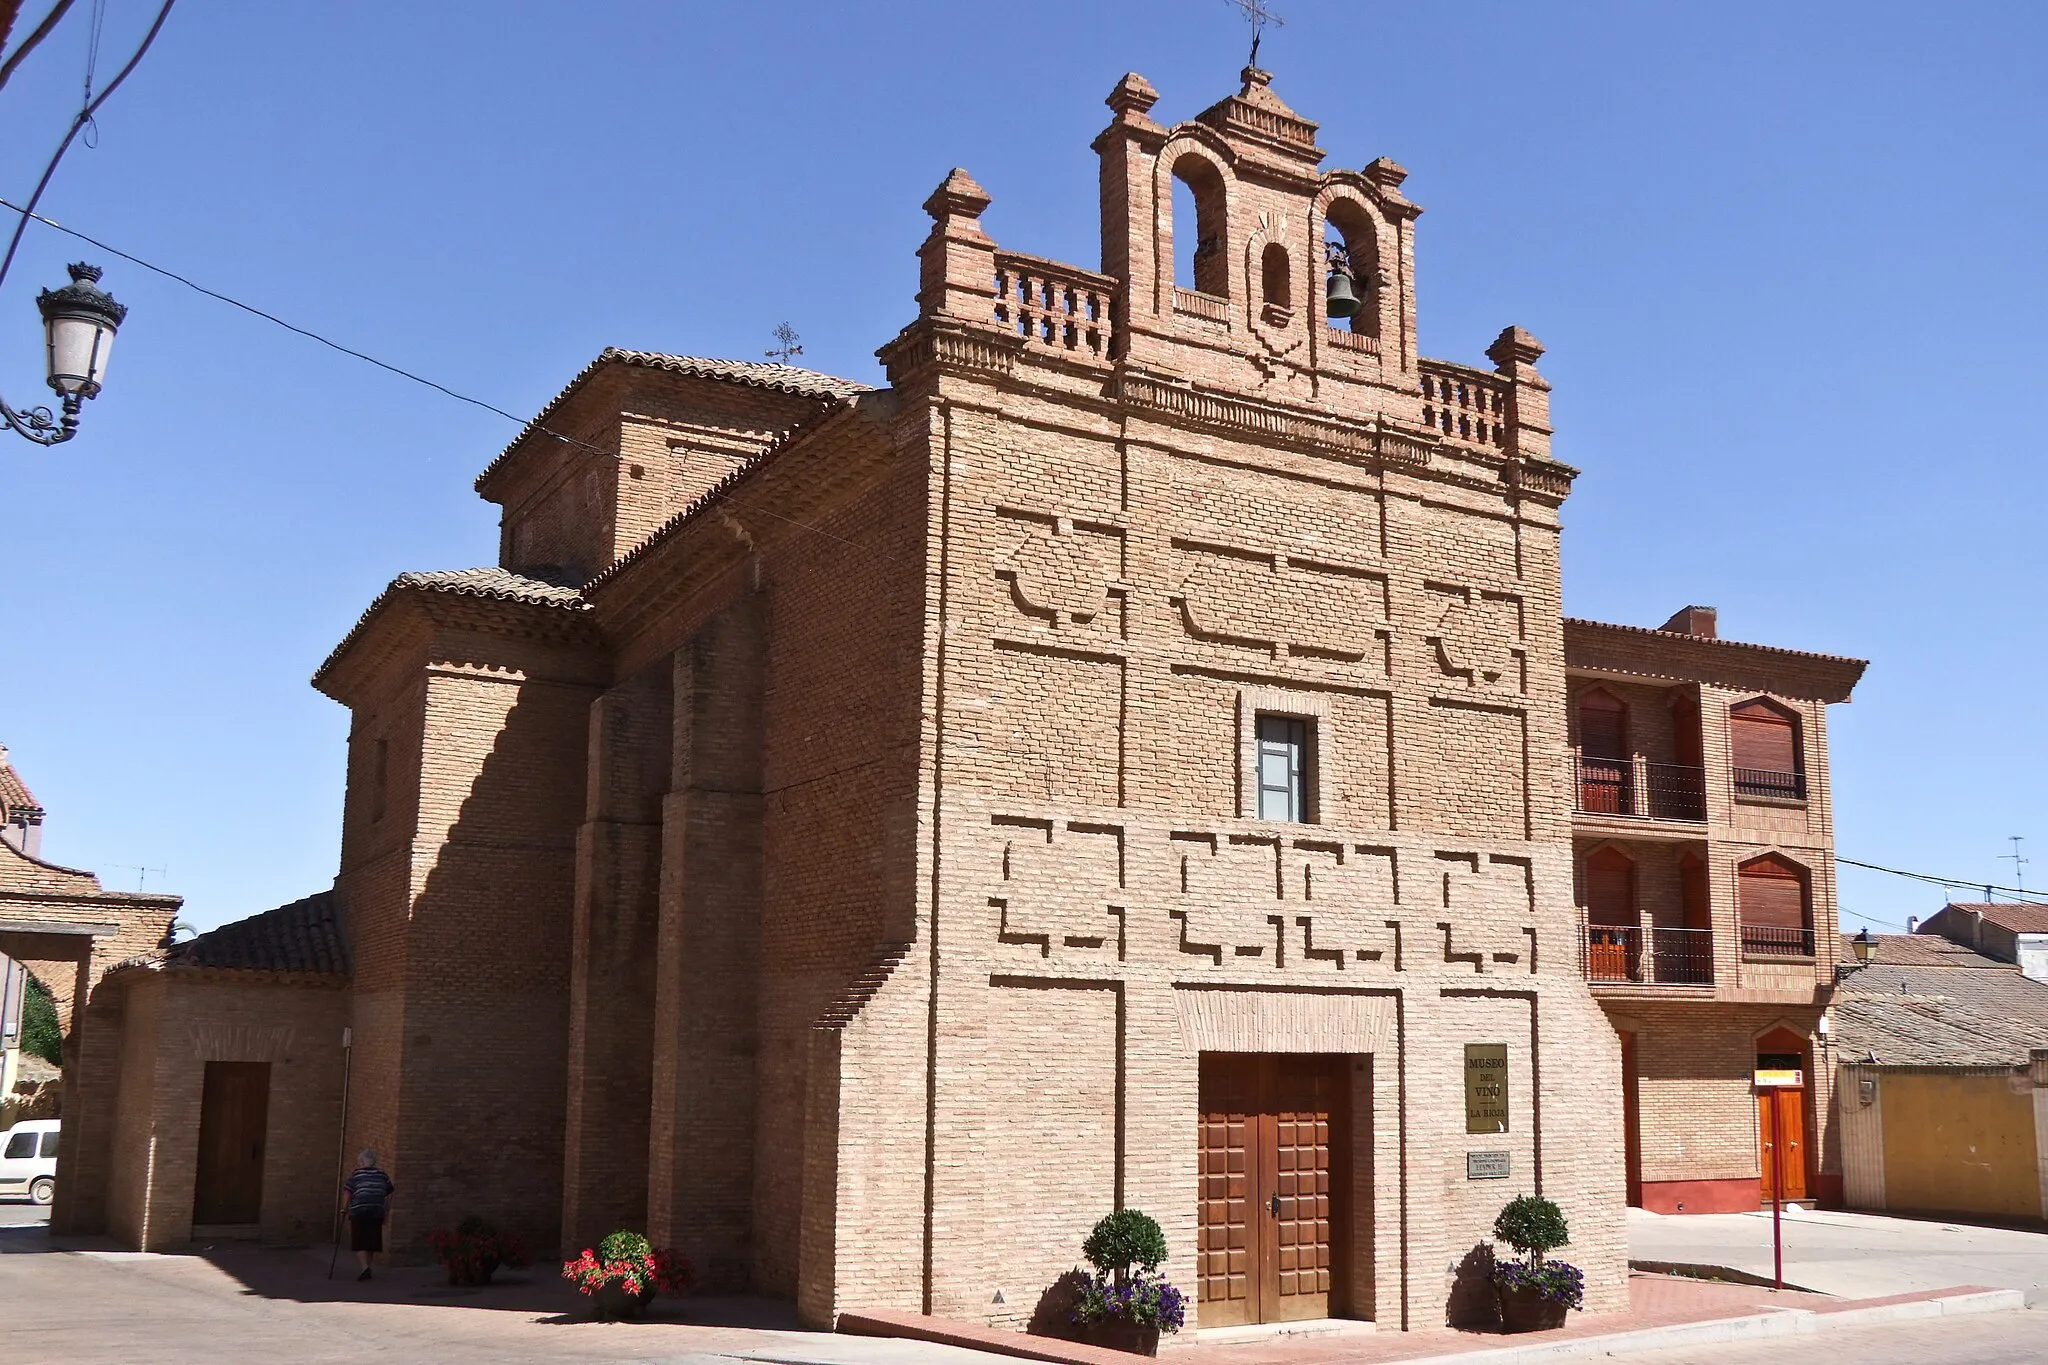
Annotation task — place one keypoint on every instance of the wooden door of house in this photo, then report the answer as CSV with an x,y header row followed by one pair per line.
x,y
234,1117
1790,1130
1273,1133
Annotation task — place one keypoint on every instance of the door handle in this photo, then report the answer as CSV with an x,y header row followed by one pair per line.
x,y
1276,1206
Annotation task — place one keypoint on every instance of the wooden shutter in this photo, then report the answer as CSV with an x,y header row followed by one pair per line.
x,y
1773,895
1610,889
1685,731
1603,725
1764,738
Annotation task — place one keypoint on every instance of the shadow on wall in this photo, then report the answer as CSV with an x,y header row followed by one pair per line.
x,y
1054,1315
1472,1302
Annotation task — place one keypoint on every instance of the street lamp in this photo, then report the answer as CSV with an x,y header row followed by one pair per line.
x,y
1864,946
79,322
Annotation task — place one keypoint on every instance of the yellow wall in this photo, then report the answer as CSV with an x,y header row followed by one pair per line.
x,y
1959,1143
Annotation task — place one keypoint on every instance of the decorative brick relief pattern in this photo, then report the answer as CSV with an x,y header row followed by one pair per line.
x,y
1058,884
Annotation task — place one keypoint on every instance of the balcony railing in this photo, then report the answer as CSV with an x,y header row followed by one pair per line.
x,y
1629,954
1646,791
1765,940
1769,782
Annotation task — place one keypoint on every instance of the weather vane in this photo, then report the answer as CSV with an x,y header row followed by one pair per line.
x,y
786,339
1258,14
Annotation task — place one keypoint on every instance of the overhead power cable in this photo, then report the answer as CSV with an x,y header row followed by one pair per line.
x,y
2031,897
308,333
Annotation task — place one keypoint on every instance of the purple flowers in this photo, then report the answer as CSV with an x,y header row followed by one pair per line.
x,y
1556,1281
1142,1297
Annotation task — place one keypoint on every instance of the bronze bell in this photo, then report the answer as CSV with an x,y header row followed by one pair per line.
x,y
1341,302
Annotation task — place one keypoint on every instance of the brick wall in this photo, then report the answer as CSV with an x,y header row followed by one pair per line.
x,y
178,1021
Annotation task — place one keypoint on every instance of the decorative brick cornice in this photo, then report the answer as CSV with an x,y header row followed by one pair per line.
x,y
949,348
1544,480
1329,435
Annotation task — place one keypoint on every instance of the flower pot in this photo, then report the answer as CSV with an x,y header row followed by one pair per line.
x,y
1121,1334
475,1271
612,1302
1524,1309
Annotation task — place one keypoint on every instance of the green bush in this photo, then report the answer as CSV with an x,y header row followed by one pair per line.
x,y
40,1036
1125,1239
624,1246
1531,1225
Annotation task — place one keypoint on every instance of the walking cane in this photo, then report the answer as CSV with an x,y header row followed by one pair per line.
x,y
341,1140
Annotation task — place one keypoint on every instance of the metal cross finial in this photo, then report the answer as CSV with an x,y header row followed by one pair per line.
x,y
786,339
1258,14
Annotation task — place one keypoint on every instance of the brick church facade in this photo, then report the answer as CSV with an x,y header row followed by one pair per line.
x,y
864,835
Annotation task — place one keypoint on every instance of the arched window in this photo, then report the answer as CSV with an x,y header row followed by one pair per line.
x,y
1201,256
1275,277
1614,948
1351,227
1763,740
1775,907
1605,772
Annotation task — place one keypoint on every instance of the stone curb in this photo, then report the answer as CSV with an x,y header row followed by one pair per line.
x,y
1779,1322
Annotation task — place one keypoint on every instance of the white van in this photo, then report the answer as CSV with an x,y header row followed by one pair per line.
x,y
28,1160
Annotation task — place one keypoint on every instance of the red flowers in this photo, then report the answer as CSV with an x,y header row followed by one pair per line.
x,y
661,1271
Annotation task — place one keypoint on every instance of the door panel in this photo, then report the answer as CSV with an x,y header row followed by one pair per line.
x,y
1791,1131
234,1115
1272,1129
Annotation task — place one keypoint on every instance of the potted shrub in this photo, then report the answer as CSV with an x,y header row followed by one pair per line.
x,y
1126,1304
621,1274
474,1250
1534,1292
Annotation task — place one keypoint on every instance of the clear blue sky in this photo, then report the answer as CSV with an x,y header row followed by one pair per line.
x,y
1788,260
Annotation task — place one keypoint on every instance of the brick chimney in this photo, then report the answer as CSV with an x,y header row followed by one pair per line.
x,y
1700,621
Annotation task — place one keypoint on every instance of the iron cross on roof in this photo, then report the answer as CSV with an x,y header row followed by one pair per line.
x,y
1258,14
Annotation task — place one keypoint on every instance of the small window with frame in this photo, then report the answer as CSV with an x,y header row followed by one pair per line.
x,y
1285,768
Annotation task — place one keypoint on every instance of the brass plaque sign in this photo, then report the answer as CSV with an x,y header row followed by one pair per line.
x,y
1486,1087
1486,1165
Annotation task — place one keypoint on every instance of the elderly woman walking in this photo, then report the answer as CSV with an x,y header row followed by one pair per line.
x,y
367,1192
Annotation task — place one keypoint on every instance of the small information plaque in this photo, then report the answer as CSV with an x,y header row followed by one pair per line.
x,y
1486,1087
1486,1165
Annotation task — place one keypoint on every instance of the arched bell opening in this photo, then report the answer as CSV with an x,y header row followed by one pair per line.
x,y
1351,283
1201,258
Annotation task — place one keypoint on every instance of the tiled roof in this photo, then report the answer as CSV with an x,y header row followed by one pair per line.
x,y
1923,950
501,585
14,793
301,937
490,582
1908,1014
753,373
1715,641
2020,918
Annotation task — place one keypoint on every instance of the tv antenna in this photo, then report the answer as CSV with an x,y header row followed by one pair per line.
x,y
785,343
142,873
1258,14
2019,880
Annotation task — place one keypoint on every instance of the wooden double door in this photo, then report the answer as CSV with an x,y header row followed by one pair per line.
x,y
1275,1133
1781,1121
234,1121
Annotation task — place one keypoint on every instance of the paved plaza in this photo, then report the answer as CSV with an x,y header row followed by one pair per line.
x,y
1850,1255
239,1303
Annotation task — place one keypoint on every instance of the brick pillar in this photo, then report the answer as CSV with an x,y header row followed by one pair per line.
x,y
1128,149
706,1022
1514,354
611,992
92,1073
957,263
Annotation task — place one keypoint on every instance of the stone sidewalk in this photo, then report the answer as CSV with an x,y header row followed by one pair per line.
x,y
230,1305
1851,1255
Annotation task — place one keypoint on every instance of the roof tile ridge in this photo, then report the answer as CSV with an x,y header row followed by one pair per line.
x,y
1715,640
